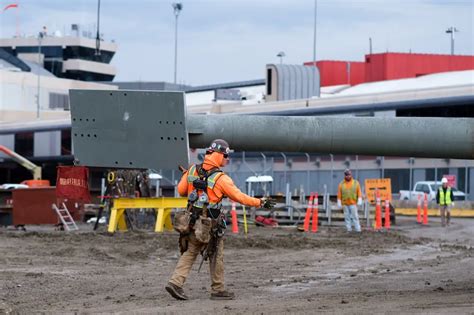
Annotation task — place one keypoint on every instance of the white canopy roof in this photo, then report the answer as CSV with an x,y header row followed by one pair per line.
x,y
436,80
259,179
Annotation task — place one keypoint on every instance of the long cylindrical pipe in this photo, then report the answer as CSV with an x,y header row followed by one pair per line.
x,y
409,137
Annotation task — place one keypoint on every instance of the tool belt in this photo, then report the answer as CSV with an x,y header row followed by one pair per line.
x,y
182,221
202,229
198,220
204,222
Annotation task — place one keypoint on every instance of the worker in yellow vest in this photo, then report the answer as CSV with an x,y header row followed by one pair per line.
x,y
444,197
349,196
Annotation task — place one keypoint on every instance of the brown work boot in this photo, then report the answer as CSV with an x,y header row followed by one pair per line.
x,y
223,295
176,291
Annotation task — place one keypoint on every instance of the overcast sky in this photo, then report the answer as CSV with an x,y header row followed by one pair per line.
x,y
232,40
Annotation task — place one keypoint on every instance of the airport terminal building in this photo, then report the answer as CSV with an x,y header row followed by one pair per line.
x,y
36,76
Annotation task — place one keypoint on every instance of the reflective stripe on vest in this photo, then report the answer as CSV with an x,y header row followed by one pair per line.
x,y
211,180
192,174
349,193
445,199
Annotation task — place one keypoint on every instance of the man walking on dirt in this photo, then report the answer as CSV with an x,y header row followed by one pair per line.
x,y
206,185
349,196
444,197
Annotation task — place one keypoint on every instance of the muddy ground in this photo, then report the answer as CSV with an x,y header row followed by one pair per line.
x,y
411,269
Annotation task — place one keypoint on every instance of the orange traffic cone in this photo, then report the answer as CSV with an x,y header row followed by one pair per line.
x,y
425,210
308,213
235,226
378,212
387,214
314,226
418,210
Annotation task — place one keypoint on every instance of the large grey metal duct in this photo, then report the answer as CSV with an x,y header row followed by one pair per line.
x,y
410,137
144,129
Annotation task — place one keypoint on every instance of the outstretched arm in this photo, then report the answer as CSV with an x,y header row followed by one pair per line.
x,y
228,188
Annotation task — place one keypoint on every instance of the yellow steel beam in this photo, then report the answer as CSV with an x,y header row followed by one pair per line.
x,y
117,220
163,206
161,202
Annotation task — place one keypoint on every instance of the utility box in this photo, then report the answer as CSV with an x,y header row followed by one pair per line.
x,y
34,206
291,82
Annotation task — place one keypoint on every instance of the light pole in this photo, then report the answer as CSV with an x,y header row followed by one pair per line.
x,y
451,31
40,38
177,9
281,54
314,46
97,38
314,31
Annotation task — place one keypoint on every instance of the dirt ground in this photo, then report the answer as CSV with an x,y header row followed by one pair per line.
x,y
411,269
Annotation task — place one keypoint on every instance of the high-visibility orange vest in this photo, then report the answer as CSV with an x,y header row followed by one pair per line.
x,y
215,196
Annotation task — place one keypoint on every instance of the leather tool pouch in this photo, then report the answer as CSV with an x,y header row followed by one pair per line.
x,y
181,221
202,229
183,243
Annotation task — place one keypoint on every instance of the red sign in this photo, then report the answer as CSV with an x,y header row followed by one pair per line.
x,y
451,180
73,183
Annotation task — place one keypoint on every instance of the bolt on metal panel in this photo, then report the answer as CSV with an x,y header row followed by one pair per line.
x,y
129,129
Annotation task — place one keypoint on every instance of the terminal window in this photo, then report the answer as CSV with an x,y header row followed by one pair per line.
x,y
58,101
24,143
66,142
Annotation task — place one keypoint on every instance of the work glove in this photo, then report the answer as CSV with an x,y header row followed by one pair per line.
x,y
339,203
359,201
267,203
452,204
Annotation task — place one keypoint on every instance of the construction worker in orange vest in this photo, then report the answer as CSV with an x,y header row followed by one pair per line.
x,y
349,196
206,185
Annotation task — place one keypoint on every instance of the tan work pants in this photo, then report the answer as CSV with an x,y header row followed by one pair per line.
x,y
445,213
187,259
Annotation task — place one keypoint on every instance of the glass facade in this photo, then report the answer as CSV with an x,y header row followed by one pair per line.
x,y
24,144
54,56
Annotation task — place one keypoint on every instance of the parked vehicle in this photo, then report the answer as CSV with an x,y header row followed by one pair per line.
x,y
13,186
430,188
259,185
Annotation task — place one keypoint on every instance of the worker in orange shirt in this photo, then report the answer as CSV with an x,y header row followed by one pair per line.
x,y
206,185
349,196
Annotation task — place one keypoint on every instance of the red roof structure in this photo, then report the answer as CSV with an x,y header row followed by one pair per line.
x,y
389,66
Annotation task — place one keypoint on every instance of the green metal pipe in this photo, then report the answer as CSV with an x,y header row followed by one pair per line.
x,y
408,137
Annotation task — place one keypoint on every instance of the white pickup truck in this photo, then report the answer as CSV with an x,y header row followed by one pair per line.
x,y
429,188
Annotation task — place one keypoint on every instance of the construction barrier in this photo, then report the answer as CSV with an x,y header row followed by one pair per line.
x,y
387,214
163,206
235,225
434,212
314,227
425,211
308,213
